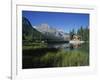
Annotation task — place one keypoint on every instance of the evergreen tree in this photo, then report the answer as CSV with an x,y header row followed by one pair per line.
x,y
72,33
83,33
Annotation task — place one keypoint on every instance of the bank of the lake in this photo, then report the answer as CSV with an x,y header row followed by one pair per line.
x,y
63,56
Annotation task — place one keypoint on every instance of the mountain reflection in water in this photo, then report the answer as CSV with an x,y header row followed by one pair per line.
x,y
32,58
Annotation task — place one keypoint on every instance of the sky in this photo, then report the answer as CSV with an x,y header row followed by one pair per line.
x,y
59,20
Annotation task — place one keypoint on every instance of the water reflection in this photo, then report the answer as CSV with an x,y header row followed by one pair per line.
x,y
70,46
36,58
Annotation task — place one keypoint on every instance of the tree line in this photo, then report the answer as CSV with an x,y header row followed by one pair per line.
x,y
82,32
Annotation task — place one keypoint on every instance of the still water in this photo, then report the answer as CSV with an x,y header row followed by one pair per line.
x,y
70,46
45,57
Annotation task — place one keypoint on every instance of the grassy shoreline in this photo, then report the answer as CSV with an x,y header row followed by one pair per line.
x,y
65,59
56,58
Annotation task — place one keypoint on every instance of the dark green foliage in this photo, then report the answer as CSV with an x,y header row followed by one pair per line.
x,y
72,33
63,59
28,32
83,33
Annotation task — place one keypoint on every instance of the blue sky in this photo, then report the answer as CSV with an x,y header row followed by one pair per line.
x,y
60,21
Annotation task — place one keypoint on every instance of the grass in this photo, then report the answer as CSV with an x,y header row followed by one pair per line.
x,y
41,56
64,59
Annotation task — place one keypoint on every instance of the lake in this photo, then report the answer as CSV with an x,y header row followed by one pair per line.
x,y
56,55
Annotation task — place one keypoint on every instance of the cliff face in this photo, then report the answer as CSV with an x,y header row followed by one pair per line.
x,y
52,33
29,33
42,32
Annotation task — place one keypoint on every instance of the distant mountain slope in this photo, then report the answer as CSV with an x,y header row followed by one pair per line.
x,y
29,33
51,33
41,33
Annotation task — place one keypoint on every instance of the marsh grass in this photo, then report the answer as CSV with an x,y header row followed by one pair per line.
x,y
38,55
64,59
